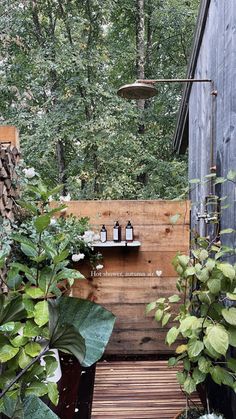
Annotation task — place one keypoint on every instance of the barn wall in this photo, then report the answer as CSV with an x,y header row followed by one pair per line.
x,y
217,61
128,280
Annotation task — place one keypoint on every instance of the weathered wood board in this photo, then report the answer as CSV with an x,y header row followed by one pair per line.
x,y
132,277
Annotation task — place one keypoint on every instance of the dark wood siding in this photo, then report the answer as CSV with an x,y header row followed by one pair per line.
x,y
217,61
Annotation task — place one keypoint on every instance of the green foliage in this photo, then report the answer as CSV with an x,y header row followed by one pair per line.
x,y
62,63
35,316
206,323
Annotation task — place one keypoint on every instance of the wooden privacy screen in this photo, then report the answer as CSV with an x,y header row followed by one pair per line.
x,y
132,277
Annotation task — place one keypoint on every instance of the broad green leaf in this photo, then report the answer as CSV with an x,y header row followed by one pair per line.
x,y
7,327
187,364
158,315
203,255
172,362
218,338
32,349
90,320
210,350
62,256
42,222
232,336
231,296
187,323
195,347
227,270
231,364
221,376
220,180
183,260
19,341
181,377
13,310
8,352
12,406
67,273
172,335
227,231
34,292
35,408
41,313
189,385
204,365
28,250
214,285
151,306
53,393
31,329
51,365
165,319
210,264
23,359
37,388
229,315
198,376
14,279
189,271
29,306
174,298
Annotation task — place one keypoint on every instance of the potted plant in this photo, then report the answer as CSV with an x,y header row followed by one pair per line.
x,y
36,318
205,324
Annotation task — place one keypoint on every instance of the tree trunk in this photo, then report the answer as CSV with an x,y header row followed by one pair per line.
x,y
140,48
61,165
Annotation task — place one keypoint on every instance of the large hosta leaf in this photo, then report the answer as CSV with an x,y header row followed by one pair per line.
x,y
63,334
90,320
35,408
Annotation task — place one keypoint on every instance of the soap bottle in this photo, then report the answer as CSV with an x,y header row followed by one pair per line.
x,y
103,234
117,232
129,232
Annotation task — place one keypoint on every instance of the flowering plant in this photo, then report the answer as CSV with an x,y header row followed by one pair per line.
x,y
35,316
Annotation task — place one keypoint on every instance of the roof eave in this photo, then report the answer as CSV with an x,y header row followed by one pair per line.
x,y
181,131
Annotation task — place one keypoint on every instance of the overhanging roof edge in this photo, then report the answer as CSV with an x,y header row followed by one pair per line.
x,y
180,142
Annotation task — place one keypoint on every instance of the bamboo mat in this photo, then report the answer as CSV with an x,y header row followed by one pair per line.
x,y
136,390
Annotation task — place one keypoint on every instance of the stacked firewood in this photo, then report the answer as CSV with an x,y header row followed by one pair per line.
x,y
9,158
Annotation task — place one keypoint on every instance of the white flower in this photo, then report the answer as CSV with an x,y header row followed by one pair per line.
x,y
65,198
88,236
77,256
99,267
96,237
158,273
53,221
50,198
29,173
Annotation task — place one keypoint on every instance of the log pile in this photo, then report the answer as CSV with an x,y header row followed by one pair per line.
x,y
9,158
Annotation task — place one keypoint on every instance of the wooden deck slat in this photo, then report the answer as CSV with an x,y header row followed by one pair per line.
x,y
137,390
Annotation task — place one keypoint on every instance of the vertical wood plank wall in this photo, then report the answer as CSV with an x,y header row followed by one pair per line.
x,y
216,61
129,279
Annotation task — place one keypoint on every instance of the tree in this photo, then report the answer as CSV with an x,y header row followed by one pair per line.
x,y
61,64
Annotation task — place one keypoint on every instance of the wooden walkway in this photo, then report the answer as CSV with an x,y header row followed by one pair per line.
x,y
136,390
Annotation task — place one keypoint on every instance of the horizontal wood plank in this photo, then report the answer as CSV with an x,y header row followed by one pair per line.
x,y
119,290
137,390
107,212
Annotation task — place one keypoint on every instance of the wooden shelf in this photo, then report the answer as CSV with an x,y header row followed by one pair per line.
x,y
123,243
